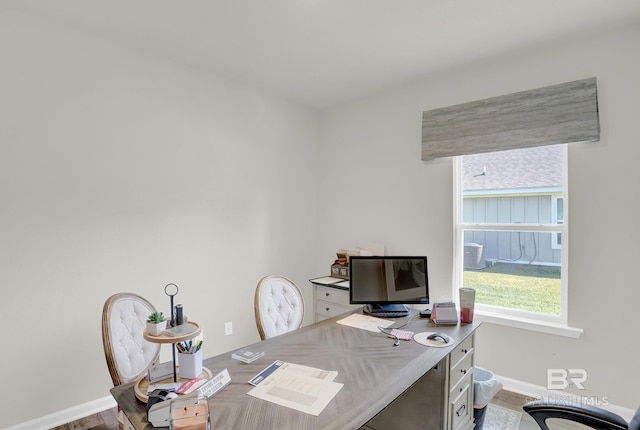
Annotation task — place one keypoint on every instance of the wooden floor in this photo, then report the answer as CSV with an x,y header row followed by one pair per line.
x,y
105,420
514,401
109,419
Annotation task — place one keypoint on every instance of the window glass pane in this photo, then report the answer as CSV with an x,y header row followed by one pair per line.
x,y
514,269
559,211
485,247
517,186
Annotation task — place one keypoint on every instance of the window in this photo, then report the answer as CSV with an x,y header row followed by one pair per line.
x,y
511,231
557,218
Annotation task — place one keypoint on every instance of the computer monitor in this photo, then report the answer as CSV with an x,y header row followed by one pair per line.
x,y
386,284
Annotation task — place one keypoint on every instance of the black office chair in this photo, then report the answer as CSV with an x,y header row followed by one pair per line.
x,y
591,416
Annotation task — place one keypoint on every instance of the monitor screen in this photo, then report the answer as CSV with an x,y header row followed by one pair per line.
x,y
388,280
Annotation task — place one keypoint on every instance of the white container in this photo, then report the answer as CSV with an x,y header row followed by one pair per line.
x,y
155,329
467,303
190,365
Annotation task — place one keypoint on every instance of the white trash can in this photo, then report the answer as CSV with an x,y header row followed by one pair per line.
x,y
485,387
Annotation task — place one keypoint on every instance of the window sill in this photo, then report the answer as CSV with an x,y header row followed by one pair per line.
x,y
529,324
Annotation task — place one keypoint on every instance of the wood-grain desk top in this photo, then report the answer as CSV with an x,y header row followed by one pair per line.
x,y
374,373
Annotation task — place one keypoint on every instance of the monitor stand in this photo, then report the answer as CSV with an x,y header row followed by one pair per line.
x,y
387,311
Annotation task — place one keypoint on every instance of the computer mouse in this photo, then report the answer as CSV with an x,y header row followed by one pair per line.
x,y
439,337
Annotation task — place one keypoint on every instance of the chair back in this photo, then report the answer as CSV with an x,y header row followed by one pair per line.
x,y
590,416
635,421
278,306
128,354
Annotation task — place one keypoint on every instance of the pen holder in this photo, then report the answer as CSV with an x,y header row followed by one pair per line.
x,y
190,365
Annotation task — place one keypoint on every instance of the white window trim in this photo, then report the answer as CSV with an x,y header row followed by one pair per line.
x,y
533,324
513,317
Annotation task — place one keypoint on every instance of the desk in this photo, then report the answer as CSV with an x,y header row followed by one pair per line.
x,y
374,372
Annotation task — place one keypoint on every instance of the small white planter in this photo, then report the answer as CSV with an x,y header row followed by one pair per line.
x,y
155,329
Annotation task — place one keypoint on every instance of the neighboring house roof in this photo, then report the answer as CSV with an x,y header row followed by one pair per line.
x,y
520,169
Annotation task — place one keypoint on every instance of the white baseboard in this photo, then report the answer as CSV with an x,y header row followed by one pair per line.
x,y
539,392
67,415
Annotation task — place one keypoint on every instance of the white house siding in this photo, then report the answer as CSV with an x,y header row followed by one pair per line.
x,y
519,247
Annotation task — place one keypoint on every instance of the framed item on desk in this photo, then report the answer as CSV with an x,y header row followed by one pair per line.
x,y
444,313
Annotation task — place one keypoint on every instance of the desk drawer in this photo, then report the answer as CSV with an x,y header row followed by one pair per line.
x,y
332,295
462,405
460,370
125,421
465,347
329,310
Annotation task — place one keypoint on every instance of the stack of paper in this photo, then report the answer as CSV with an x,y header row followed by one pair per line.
x,y
366,322
303,388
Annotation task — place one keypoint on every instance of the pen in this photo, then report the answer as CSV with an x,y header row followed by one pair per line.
x,y
189,347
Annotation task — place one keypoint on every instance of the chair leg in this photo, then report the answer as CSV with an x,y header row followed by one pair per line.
x,y
121,418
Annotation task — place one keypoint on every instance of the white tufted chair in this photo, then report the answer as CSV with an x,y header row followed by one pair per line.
x,y
128,354
278,305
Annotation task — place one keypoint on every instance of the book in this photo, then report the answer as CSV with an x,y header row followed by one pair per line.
x,y
180,330
246,355
190,385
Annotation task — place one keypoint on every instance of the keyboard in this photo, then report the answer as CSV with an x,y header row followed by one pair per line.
x,y
389,314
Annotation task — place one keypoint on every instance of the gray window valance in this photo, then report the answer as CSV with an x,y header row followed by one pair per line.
x,y
563,113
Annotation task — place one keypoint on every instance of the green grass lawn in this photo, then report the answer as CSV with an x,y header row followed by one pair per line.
x,y
518,286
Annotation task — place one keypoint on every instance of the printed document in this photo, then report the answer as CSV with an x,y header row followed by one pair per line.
x,y
327,280
302,388
343,284
366,322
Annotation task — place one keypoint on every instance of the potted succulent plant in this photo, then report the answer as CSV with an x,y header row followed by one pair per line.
x,y
156,323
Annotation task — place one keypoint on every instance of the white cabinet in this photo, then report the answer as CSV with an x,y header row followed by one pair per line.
x,y
461,386
329,301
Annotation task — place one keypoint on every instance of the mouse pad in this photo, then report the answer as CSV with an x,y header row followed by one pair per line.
x,y
421,338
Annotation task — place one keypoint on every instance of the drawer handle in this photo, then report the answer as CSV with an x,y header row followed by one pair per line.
x,y
464,351
460,411
326,294
326,309
464,371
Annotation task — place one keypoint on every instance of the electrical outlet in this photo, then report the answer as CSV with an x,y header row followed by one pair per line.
x,y
228,328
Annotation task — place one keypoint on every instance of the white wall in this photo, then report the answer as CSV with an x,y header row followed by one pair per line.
x,y
122,172
376,189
